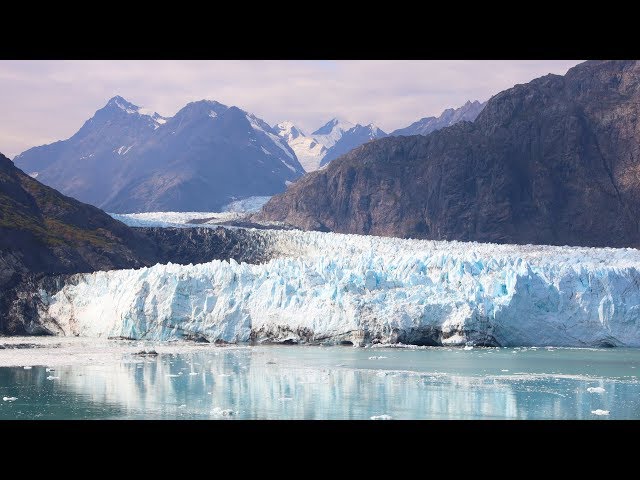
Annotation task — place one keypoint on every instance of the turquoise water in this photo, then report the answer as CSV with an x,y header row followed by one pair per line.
x,y
105,380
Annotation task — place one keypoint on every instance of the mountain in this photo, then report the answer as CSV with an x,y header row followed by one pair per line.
x,y
554,161
42,230
332,131
350,139
204,157
469,111
333,139
83,165
309,150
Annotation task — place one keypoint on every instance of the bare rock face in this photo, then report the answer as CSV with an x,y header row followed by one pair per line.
x,y
555,161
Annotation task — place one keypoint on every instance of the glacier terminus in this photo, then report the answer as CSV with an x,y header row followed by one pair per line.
x,y
327,288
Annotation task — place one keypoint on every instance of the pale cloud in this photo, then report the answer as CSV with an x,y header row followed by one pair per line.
x,y
45,101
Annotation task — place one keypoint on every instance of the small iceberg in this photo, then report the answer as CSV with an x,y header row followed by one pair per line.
x,y
600,412
382,417
595,390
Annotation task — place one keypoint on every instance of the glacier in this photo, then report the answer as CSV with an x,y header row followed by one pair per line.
x,y
332,288
235,210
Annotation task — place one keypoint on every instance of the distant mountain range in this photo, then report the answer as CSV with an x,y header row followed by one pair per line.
x,y
554,161
206,156
468,112
339,136
126,159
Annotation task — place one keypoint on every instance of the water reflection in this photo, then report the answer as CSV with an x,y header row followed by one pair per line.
x,y
305,383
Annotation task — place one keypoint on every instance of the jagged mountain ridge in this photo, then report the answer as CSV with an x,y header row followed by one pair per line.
x,y
339,136
468,112
202,158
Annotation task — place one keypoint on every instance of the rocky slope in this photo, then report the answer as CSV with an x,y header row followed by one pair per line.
x,y
42,230
206,156
554,161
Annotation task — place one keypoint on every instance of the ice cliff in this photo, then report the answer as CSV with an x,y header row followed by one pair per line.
x,y
333,288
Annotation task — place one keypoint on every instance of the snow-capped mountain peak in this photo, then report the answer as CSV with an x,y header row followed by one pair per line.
x,y
350,139
335,124
374,131
308,149
332,131
118,103
335,137
288,131
122,104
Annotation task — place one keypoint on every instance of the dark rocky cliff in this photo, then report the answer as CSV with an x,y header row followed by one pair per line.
x,y
554,161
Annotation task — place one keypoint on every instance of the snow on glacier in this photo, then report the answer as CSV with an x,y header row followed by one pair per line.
x,y
231,211
167,219
326,287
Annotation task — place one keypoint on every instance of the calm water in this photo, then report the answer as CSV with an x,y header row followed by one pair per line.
x,y
99,379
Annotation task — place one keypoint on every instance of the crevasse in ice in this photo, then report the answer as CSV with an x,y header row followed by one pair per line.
x,y
325,287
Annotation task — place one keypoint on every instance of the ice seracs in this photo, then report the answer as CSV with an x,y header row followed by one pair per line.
x,y
333,288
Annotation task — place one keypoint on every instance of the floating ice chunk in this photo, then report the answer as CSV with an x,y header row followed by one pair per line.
x,y
172,375
600,412
193,373
468,347
595,390
184,405
9,399
27,367
505,370
49,370
51,377
382,417
379,357
220,412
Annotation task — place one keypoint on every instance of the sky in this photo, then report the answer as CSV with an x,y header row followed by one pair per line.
x,y
45,101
